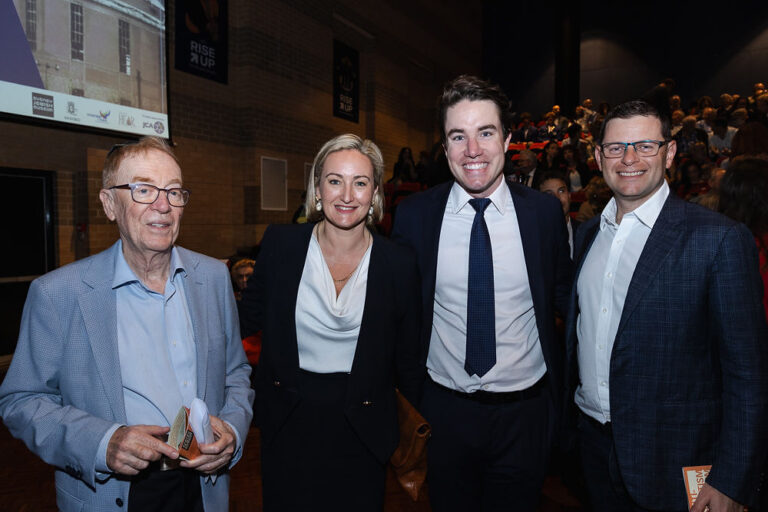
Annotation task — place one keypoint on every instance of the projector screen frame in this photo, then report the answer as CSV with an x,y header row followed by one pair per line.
x,y
150,122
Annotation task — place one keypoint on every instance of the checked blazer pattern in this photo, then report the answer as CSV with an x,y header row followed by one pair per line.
x,y
688,379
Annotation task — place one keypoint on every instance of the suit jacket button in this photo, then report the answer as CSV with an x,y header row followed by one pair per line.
x,y
277,383
119,502
367,403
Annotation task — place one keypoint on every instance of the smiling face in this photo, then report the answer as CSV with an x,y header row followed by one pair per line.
x,y
346,188
145,229
633,178
475,146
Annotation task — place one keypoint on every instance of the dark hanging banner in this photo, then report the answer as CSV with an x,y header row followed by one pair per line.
x,y
201,38
346,82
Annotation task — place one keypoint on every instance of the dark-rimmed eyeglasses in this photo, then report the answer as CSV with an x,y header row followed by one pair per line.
x,y
145,193
641,147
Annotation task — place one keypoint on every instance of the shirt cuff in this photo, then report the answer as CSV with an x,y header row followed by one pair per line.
x,y
102,470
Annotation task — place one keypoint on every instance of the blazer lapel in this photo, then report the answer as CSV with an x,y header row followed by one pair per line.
x,y
292,267
194,290
99,310
580,255
367,336
530,237
433,222
660,242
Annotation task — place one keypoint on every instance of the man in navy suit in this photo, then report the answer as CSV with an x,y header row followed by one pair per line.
x,y
527,131
494,260
666,337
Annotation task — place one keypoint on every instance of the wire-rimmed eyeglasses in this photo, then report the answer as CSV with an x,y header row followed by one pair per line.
x,y
641,147
145,193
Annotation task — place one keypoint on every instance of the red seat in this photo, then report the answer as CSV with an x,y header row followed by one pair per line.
x,y
252,346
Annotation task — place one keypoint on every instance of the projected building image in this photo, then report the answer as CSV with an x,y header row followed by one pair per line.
x,y
103,61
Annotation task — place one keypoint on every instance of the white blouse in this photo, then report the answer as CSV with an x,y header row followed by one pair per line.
x,y
327,326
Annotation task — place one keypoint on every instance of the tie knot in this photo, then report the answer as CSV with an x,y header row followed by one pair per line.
x,y
480,204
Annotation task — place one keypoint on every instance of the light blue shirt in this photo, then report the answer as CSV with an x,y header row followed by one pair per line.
x,y
602,289
158,362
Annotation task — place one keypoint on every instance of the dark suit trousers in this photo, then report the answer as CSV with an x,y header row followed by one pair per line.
x,y
487,457
177,490
605,487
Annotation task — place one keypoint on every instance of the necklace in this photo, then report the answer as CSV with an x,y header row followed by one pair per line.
x,y
353,269
343,278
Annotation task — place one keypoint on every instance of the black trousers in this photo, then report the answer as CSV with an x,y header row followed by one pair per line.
x,y
177,490
487,457
316,461
605,488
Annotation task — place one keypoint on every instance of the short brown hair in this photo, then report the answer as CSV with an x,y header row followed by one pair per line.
x,y
472,88
120,152
633,109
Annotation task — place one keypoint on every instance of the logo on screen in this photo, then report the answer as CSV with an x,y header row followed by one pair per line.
x,y
126,119
159,127
101,117
42,104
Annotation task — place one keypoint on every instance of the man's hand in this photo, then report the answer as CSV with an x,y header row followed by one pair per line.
x,y
131,449
712,500
217,454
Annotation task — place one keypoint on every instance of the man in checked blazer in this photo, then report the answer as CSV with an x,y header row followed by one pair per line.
x,y
666,339
113,345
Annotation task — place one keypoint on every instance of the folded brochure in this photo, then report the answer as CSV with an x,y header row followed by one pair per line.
x,y
181,436
694,478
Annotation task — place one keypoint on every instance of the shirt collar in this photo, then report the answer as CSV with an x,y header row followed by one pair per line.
x,y
125,275
647,213
458,198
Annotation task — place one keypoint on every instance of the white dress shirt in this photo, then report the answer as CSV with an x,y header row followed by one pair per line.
x,y
519,359
602,289
528,179
327,326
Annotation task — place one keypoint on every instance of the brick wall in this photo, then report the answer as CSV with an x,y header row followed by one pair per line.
x,y
277,104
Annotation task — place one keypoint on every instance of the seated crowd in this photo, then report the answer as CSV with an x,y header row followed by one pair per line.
x,y
708,134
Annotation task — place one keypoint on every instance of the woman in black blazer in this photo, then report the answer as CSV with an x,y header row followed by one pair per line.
x,y
339,310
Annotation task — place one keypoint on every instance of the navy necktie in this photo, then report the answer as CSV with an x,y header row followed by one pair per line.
x,y
481,312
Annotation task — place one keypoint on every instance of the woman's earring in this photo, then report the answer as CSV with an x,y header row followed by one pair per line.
x,y
370,211
318,205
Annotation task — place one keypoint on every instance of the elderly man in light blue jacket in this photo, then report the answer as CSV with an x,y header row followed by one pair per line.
x,y
113,345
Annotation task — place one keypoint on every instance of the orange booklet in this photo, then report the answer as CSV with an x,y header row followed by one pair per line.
x,y
694,478
181,436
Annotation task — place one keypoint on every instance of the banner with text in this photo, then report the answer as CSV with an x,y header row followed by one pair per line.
x,y
201,38
346,82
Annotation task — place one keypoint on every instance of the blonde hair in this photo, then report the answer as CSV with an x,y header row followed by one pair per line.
x,y
341,143
245,262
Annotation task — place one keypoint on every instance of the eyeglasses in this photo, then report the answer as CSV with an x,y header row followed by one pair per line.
x,y
641,147
147,194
